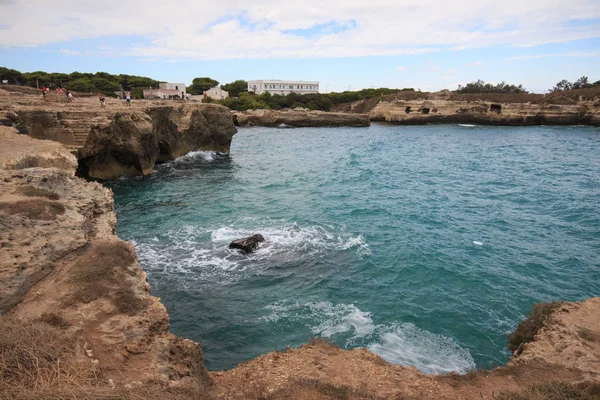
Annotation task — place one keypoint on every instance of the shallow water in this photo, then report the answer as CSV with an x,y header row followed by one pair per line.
x,y
426,244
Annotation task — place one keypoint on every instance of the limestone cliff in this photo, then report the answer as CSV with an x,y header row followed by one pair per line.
x,y
60,257
21,151
298,118
410,108
132,142
62,263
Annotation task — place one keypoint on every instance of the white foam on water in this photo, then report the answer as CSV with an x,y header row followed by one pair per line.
x,y
406,344
477,243
202,253
467,125
339,319
398,343
293,239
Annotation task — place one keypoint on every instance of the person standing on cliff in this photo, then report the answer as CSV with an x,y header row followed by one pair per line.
x,y
102,100
44,91
128,99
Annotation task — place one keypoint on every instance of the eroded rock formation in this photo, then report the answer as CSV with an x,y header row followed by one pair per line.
x,y
132,142
60,257
299,118
21,151
412,108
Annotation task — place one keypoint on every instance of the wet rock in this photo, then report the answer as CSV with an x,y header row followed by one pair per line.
x,y
132,142
247,244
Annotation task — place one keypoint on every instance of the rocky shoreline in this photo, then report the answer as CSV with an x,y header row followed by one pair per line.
x,y
299,118
64,265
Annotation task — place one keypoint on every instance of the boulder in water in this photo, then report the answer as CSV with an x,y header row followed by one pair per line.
x,y
247,244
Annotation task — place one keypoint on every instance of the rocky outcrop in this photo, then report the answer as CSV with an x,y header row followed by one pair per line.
x,y
61,258
186,128
298,118
69,127
21,151
484,113
247,244
132,142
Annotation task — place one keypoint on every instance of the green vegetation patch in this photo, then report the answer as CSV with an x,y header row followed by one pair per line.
x,y
530,326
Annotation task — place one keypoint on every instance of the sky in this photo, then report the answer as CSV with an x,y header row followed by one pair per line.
x,y
345,45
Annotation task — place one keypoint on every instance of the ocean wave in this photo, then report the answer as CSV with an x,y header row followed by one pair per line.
x,y
397,342
406,344
205,250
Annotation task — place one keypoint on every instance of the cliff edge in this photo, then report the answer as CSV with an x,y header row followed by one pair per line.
x,y
79,322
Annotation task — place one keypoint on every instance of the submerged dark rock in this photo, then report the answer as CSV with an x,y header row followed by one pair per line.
x,y
247,244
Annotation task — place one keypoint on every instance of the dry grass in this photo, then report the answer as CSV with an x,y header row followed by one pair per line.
x,y
588,334
31,191
36,357
312,389
39,361
101,273
127,302
54,320
35,209
529,327
555,391
27,162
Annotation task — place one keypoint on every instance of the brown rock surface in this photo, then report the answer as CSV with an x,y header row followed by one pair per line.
x,y
60,256
297,118
560,352
575,107
133,141
21,151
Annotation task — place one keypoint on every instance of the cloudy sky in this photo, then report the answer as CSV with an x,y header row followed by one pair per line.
x,y
349,44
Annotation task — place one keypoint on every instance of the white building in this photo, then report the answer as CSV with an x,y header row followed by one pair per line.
x,y
166,91
216,93
283,87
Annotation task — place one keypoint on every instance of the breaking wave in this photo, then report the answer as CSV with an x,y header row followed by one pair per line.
x,y
397,342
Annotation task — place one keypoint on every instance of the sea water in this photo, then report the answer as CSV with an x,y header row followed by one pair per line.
x,y
425,244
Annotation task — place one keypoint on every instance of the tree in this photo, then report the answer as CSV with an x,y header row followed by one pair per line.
x,y
199,85
11,75
236,87
480,86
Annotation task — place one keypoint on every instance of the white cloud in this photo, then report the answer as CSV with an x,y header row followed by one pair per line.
x,y
257,29
69,52
475,64
401,69
570,54
435,68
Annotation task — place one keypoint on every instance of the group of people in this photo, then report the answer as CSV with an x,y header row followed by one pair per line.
x,y
70,98
102,99
58,91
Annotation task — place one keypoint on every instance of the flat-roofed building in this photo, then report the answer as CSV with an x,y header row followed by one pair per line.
x,y
275,86
166,91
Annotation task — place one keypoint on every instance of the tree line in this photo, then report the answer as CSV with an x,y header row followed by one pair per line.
x,y
82,82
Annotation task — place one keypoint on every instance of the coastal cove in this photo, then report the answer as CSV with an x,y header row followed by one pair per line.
x,y
425,244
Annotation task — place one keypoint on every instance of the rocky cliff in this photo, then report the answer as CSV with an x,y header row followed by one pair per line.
x,y
132,142
298,118
79,322
62,263
412,108
122,140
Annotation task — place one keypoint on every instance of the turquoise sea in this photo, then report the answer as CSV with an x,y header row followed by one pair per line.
x,y
425,244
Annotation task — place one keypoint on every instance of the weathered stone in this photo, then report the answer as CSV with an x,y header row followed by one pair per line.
x,y
299,118
134,141
247,244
